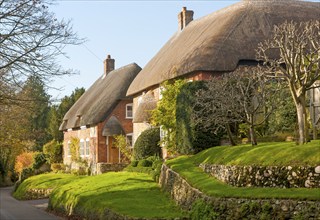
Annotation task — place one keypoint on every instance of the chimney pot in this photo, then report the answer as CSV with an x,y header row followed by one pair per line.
x,y
184,18
108,65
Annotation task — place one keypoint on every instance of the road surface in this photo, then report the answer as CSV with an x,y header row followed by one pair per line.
x,y
12,209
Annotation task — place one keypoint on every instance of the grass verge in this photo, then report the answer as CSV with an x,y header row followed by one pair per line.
x,y
43,181
264,154
129,194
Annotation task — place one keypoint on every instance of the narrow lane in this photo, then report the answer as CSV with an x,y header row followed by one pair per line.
x,y
12,209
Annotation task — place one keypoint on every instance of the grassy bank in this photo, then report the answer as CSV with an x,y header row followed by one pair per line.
x,y
264,154
43,181
129,194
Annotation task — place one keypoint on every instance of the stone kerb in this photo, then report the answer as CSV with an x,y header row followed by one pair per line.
x,y
266,176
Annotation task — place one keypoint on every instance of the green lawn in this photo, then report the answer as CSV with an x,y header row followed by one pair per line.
x,y
44,181
130,194
263,154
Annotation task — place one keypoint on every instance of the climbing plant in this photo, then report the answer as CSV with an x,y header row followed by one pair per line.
x,y
165,113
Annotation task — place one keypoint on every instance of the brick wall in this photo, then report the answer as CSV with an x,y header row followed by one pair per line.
x,y
98,147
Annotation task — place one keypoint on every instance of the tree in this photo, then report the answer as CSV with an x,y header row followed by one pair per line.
x,y
244,95
214,106
36,104
298,62
57,113
31,38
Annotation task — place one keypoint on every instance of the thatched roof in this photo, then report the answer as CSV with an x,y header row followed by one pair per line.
x,y
112,127
217,42
99,100
145,106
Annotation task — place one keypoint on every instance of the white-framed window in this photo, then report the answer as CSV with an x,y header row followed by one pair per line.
x,y
129,111
69,149
129,138
81,148
93,132
87,152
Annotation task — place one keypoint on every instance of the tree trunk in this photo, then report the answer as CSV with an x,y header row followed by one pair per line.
x,y
253,136
232,142
302,119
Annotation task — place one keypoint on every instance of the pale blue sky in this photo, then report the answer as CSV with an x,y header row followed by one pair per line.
x,y
131,31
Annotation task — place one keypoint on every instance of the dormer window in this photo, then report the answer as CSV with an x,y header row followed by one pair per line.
x,y
129,111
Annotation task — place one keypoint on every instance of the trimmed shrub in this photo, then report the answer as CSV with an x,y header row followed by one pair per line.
x,y
191,139
147,144
134,163
53,151
144,163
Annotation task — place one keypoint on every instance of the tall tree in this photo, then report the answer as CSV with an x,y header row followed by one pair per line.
x,y
57,113
31,38
298,63
36,105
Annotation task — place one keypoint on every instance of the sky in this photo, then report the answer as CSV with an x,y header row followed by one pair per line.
x,y
130,31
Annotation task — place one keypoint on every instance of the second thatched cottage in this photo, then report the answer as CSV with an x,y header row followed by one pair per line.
x,y
218,43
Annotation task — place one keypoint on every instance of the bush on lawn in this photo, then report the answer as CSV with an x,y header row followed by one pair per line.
x,y
147,144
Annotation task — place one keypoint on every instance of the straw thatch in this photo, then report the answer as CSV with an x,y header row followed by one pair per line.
x,y
145,106
218,42
99,100
112,127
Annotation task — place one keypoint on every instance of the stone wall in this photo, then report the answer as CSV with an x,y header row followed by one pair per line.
x,y
266,176
107,167
236,208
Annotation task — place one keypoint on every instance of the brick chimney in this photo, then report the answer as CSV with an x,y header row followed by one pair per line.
x,y
184,18
108,65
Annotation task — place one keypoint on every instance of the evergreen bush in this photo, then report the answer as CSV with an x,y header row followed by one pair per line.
x,y
191,139
144,163
147,144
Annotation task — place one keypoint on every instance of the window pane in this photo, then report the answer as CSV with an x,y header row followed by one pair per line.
x,y
81,148
87,147
129,111
69,149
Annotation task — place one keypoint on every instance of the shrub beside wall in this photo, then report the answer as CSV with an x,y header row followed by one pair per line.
x,y
147,144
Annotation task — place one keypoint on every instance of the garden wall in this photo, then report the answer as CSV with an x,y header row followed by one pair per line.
x,y
236,208
266,176
107,167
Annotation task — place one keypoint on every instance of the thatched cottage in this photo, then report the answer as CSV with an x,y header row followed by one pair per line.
x,y
102,112
217,43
